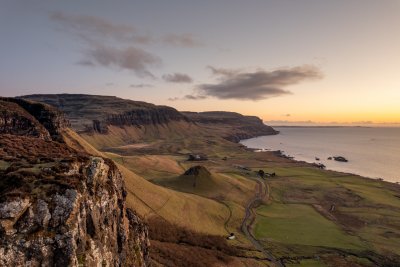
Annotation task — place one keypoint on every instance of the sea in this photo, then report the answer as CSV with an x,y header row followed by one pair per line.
x,y
372,152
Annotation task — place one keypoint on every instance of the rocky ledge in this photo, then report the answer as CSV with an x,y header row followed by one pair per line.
x,y
60,207
94,113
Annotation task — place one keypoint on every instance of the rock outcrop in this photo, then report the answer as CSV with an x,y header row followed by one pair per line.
x,y
15,120
92,113
60,207
42,116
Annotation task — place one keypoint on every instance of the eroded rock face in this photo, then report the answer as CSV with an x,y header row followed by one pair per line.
x,y
58,206
47,117
93,113
15,120
83,223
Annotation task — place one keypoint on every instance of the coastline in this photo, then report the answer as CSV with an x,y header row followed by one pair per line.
x,y
281,154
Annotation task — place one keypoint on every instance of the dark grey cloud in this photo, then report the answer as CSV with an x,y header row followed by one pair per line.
x,y
257,85
177,78
130,58
140,85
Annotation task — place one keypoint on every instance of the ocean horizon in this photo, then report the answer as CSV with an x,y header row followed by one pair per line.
x,y
372,152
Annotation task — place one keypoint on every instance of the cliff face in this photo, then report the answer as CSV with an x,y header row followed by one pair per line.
x,y
97,114
59,207
91,113
230,125
22,117
15,120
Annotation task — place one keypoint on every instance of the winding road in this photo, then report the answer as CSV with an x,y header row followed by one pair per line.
x,y
262,193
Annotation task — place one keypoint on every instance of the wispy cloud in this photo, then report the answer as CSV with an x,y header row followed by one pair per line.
x,y
110,44
188,97
141,85
185,40
177,78
257,85
130,58
95,27
223,71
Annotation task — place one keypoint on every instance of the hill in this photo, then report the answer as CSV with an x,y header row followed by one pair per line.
x,y
231,125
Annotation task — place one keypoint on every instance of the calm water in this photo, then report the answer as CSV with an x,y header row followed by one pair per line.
x,y
372,152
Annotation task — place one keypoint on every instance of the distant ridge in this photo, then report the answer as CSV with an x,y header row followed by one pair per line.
x,y
231,125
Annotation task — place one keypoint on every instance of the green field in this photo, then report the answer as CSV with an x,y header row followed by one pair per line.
x,y
295,223
301,225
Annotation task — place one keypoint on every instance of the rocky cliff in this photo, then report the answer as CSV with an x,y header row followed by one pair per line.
x,y
60,207
230,125
92,113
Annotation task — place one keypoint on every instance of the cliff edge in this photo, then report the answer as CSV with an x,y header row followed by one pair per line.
x,y
60,207
231,125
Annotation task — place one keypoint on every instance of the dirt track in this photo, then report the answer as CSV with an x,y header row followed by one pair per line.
x,y
262,193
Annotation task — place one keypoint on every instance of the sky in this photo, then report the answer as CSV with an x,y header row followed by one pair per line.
x,y
286,61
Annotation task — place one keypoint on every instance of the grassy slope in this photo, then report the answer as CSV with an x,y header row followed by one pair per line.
x,y
176,207
295,223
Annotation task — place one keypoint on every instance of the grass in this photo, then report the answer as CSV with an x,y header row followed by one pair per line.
x,y
301,225
4,165
307,263
366,219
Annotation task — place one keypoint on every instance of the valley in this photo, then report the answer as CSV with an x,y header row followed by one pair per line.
x,y
302,216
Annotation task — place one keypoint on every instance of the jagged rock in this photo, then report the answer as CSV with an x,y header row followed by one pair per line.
x,y
15,120
71,212
340,158
27,118
87,224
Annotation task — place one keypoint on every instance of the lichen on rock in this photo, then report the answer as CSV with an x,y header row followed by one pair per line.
x,y
60,207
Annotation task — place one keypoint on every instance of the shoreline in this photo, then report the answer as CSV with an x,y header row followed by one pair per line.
x,y
281,154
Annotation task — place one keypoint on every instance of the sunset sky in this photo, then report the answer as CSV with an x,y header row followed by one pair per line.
x,y
302,60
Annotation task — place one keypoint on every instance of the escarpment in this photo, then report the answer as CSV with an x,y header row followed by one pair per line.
x,y
230,125
60,207
92,113
15,120
23,117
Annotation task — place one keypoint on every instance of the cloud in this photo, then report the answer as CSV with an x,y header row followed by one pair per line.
x,y
92,27
89,27
195,97
188,97
185,40
113,45
130,58
222,71
177,78
257,85
141,85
